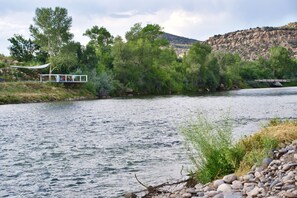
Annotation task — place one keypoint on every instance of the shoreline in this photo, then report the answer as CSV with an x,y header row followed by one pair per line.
x,y
275,175
43,92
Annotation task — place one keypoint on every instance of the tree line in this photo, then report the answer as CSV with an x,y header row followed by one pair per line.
x,y
143,62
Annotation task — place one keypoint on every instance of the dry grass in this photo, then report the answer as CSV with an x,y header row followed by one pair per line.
x,y
257,146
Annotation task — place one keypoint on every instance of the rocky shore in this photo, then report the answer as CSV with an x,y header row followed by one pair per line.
x,y
275,177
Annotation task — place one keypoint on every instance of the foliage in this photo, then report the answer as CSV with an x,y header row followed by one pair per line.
x,y
51,30
214,155
22,49
101,84
145,63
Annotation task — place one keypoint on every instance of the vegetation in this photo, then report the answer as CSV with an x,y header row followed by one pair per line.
x,y
22,92
215,155
144,63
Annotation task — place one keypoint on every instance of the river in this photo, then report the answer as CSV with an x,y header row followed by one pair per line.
x,y
94,148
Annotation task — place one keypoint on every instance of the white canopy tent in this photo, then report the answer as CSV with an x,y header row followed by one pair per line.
x,y
31,67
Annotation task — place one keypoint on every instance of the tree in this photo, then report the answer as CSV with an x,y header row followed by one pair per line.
x,y
145,62
22,49
100,44
51,30
280,61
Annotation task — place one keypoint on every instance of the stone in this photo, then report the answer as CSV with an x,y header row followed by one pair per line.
x,y
191,190
210,193
236,185
288,187
266,161
218,182
186,195
218,196
233,195
258,174
224,188
254,192
130,195
229,178
199,187
248,177
247,187
289,194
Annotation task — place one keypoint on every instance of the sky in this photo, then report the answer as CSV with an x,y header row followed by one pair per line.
x,y
198,19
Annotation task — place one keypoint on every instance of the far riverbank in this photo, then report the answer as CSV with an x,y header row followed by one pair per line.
x,y
32,92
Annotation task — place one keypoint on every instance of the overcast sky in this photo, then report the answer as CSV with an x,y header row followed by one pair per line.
x,y
198,19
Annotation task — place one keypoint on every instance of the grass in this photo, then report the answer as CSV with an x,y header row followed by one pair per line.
x,y
25,92
214,155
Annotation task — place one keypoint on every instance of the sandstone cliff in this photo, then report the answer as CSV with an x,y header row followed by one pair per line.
x,y
255,42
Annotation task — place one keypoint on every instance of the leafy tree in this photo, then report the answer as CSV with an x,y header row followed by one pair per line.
x,y
145,62
280,61
100,46
51,30
202,69
22,49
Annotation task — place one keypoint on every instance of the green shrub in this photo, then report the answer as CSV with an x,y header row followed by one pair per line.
x,y
213,154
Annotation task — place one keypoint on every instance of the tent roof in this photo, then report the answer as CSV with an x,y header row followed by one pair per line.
x,y
31,67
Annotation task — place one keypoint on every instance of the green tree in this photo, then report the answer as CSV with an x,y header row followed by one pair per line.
x,y
145,62
22,49
280,61
51,30
202,69
100,46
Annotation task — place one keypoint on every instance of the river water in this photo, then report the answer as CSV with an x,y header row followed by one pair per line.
x,y
94,148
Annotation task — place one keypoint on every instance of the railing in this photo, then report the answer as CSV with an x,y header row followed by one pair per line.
x,y
273,80
63,78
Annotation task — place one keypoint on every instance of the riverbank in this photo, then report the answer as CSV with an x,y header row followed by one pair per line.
x,y
274,176
31,92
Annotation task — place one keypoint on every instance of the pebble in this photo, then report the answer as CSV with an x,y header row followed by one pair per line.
x,y
218,182
224,188
229,178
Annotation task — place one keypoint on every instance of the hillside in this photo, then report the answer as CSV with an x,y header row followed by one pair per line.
x,y
249,44
180,44
255,42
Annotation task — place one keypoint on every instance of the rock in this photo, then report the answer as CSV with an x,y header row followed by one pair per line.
x,y
254,192
210,193
236,185
186,195
247,187
229,178
224,188
191,190
266,161
289,194
247,177
218,182
130,195
199,187
218,196
258,174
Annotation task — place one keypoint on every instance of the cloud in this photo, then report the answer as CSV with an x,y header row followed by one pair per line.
x,y
197,19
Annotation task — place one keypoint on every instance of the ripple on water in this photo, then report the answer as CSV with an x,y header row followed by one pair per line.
x,y
96,151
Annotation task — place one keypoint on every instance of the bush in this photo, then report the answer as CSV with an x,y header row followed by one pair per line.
x,y
213,154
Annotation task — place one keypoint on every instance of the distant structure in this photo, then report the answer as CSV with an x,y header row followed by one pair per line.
x,y
57,78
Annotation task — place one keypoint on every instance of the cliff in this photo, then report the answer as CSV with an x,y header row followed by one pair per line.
x,y
255,42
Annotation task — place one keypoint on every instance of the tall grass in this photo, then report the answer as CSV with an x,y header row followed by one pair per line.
x,y
213,153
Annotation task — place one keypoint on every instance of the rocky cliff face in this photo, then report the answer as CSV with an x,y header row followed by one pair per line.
x,y
252,43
